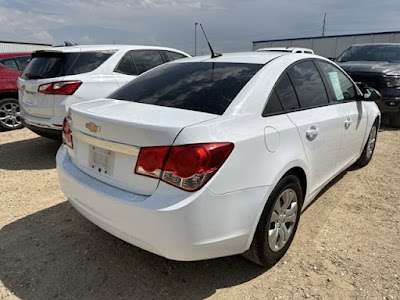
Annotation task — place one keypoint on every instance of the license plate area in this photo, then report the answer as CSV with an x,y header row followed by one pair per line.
x,y
101,160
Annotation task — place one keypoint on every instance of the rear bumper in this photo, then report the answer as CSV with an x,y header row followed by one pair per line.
x,y
175,224
54,123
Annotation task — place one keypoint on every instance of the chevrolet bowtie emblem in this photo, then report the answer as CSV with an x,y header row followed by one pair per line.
x,y
93,127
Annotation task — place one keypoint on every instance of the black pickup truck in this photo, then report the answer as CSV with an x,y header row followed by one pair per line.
x,y
378,66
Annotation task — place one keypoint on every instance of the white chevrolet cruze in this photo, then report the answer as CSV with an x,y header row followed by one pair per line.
x,y
58,77
208,157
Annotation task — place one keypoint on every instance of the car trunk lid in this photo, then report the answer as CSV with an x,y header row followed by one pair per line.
x,y
108,134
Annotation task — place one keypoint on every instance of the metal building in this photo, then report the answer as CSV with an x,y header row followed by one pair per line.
x,y
21,46
334,45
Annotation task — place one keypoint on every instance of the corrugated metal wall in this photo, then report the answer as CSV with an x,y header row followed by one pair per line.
x,y
331,46
16,47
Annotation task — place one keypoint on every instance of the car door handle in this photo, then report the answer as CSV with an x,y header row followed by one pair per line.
x,y
312,133
347,123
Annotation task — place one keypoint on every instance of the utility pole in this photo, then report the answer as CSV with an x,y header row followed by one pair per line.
x,y
195,38
324,25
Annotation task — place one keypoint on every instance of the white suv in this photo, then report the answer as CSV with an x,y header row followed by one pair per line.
x,y
287,49
59,77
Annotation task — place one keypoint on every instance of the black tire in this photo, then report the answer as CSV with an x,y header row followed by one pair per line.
x,y
10,117
260,251
395,120
48,135
369,147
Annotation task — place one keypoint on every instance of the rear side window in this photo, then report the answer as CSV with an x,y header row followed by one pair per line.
x,y
308,84
22,62
87,62
201,86
9,63
145,60
173,55
286,93
55,64
273,106
126,65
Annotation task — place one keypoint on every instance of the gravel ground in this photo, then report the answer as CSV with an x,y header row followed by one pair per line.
x,y
347,245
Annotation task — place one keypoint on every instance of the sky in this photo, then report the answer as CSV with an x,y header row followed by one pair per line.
x,y
231,25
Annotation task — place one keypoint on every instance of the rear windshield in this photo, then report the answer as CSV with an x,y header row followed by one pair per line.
x,y
50,64
389,53
201,86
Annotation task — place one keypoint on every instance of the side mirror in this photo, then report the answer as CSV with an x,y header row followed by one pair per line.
x,y
369,93
332,58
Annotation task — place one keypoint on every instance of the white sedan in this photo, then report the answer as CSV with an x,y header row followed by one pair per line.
x,y
208,157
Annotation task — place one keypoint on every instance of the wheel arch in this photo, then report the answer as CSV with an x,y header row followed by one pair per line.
x,y
9,94
297,169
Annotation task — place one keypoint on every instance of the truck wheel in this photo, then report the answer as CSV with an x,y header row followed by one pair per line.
x,y
395,120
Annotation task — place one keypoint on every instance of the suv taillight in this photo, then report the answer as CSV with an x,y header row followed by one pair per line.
x,y
66,134
60,87
187,167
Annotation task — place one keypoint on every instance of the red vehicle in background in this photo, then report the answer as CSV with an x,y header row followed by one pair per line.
x,y
11,67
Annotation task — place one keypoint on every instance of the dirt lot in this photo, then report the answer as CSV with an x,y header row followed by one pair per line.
x,y
347,245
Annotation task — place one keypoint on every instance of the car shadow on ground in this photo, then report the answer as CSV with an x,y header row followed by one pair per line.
x,y
32,154
57,253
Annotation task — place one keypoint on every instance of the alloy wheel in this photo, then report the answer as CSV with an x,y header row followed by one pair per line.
x,y
283,219
10,115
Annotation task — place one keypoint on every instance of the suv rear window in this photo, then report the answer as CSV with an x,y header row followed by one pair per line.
x,y
51,64
201,86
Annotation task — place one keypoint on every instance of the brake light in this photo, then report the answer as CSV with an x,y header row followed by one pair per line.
x,y
187,167
60,87
66,134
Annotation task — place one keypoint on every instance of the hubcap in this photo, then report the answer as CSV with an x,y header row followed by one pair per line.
x,y
371,142
10,115
283,220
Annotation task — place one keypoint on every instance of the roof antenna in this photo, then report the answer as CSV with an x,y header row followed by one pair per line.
x,y
213,54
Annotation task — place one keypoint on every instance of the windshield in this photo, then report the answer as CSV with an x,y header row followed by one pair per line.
x,y
389,53
202,86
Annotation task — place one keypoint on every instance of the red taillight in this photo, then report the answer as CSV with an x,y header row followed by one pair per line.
x,y
60,87
188,167
66,134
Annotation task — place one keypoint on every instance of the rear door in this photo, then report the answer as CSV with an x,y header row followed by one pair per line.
x,y
45,67
352,113
318,122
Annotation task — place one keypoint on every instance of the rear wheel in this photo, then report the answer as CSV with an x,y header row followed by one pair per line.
x,y
278,223
10,115
369,148
395,120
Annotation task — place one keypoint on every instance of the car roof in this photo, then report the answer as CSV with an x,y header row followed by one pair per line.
x,y
242,57
14,54
285,49
88,48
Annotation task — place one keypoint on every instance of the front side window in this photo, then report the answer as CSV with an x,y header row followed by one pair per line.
x,y
145,60
202,86
343,89
308,84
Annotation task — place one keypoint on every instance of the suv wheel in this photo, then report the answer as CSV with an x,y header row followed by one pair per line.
x,y
10,115
278,223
